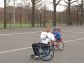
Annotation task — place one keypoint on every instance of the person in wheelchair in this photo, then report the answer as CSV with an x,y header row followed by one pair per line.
x,y
57,34
46,36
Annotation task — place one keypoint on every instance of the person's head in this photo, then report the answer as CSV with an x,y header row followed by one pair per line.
x,y
58,28
48,29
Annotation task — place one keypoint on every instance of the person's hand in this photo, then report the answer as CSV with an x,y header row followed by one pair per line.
x,y
55,40
46,36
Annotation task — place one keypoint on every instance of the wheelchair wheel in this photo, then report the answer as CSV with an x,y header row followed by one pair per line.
x,y
48,56
61,46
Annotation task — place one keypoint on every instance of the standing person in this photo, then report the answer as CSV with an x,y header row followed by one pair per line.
x,y
46,37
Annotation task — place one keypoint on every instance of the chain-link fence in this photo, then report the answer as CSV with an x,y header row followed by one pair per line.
x,y
21,17
21,20
24,20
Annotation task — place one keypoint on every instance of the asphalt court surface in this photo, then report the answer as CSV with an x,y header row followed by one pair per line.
x,y
15,45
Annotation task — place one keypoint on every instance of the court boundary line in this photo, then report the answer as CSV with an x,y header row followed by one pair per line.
x,y
14,50
18,33
7,34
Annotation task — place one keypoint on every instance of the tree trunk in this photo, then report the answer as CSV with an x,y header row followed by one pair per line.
x,y
44,19
77,18
69,20
5,23
81,22
44,23
40,20
33,14
54,13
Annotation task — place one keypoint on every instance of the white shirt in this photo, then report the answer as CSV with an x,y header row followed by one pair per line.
x,y
46,37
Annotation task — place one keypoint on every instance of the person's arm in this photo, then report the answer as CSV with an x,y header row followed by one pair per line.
x,y
52,37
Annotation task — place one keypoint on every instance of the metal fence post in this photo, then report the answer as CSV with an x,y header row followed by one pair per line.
x,y
20,20
29,20
5,23
10,20
40,18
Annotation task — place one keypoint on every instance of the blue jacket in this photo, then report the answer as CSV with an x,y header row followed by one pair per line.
x,y
57,34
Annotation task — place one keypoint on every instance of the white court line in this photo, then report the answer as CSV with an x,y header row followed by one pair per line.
x,y
80,32
18,33
74,40
24,33
31,47
15,50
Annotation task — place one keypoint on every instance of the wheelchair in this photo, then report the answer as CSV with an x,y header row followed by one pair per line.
x,y
46,52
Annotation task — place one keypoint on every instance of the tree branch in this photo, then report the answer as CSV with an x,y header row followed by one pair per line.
x,y
49,2
37,1
39,4
74,1
63,5
7,2
24,1
78,3
66,2
57,2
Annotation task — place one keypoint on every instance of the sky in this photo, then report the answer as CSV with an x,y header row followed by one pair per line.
x,y
49,5
1,3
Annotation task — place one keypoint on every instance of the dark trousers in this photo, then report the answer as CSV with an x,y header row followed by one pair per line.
x,y
35,47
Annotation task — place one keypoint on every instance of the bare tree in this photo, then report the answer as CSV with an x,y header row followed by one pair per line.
x,y
34,2
55,3
69,2
81,6
81,11
81,23
44,15
5,23
43,12
5,3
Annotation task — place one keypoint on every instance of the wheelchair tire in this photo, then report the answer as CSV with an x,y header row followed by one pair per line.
x,y
49,56
61,48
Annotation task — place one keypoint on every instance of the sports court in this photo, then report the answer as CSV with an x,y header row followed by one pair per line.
x,y
15,45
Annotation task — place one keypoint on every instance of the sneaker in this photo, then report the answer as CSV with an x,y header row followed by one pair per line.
x,y
36,57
